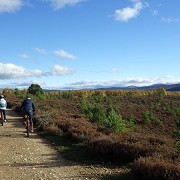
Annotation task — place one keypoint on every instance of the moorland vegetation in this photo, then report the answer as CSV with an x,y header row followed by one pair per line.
x,y
140,128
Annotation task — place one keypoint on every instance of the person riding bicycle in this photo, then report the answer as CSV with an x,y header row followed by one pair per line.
x,y
27,108
3,105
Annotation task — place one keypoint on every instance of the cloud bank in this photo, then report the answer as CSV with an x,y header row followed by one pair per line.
x,y
139,82
10,6
12,71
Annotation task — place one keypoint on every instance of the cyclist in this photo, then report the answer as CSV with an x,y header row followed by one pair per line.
x,y
27,109
3,105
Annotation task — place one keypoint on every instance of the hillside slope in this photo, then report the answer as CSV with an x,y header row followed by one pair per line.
x,y
33,158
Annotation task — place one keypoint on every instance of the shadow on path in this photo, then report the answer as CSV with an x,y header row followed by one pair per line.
x,y
14,130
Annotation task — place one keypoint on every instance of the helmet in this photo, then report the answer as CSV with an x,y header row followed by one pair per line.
x,y
1,96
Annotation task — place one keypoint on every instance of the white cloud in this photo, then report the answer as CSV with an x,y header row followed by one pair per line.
x,y
64,54
10,5
115,70
60,70
11,71
170,20
59,4
24,56
41,51
125,14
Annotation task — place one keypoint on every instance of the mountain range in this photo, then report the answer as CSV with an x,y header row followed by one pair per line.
x,y
168,87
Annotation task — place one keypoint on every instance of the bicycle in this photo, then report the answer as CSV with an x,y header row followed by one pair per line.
x,y
2,118
27,123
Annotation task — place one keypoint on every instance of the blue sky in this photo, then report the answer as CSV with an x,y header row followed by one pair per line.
x,y
66,44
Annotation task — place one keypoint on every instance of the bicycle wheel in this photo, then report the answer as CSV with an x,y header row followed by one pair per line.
x,y
27,126
2,121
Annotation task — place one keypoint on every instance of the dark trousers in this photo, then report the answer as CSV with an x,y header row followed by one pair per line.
x,y
30,114
4,114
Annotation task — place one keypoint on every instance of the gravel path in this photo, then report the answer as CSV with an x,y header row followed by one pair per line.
x,y
33,158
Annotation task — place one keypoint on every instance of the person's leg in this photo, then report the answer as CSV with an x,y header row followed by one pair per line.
x,y
1,115
4,115
31,120
25,117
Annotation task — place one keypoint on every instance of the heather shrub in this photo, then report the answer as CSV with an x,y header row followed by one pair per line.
x,y
104,126
53,130
80,130
155,168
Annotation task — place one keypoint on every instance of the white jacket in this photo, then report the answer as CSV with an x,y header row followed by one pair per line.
x,y
3,104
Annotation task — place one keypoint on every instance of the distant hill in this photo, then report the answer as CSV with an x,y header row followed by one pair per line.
x,y
172,87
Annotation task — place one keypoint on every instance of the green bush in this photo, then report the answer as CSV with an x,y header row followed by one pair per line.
x,y
98,114
67,94
94,112
177,111
148,117
176,133
158,121
96,97
86,109
115,123
17,92
109,118
178,123
34,89
161,92
40,95
178,145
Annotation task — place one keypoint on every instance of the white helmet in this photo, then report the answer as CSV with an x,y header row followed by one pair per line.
x,y
1,96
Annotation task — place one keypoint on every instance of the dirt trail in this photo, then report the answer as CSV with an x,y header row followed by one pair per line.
x,y
33,158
